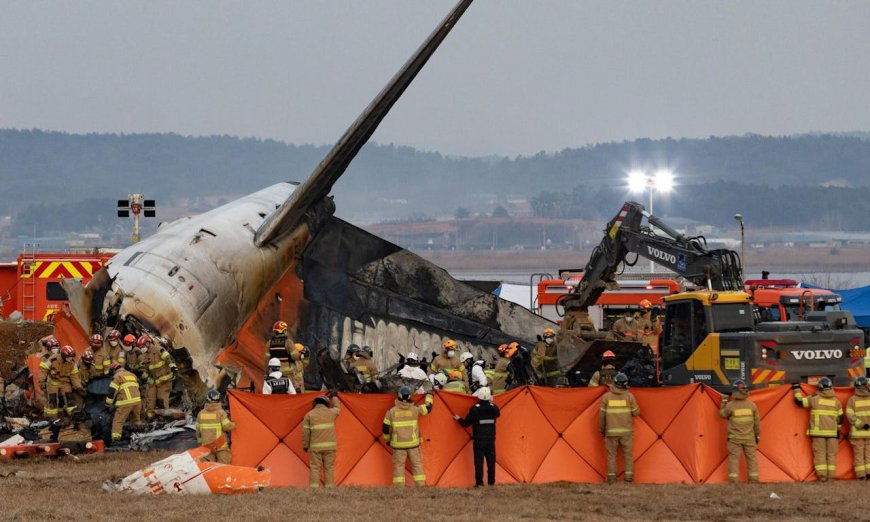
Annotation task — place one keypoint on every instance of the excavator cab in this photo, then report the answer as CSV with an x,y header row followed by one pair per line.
x,y
690,345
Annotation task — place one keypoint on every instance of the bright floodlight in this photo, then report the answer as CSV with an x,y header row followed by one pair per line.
x,y
664,181
637,181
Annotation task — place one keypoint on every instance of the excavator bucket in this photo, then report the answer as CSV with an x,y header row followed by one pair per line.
x,y
580,353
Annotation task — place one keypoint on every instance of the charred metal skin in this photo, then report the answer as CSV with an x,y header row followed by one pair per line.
x,y
193,283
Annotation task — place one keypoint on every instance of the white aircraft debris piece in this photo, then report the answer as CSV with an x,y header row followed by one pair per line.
x,y
187,474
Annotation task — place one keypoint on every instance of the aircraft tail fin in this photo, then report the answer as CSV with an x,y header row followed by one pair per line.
x,y
319,184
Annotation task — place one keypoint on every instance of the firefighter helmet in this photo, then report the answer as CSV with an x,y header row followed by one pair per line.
x,y
512,349
448,344
621,380
352,349
96,340
88,357
439,379
67,352
404,394
608,355
825,384
299,347
861,382
143,341
114,367
412,357
483,393
320,399
129,340
502,349
645,304
279,327
47,342
368,350
455,374
466,356
549,332
738,386
53,344
213,396
114,335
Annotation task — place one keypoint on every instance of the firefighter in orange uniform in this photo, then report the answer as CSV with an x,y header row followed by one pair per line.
x,y
124,398
744,429
858,413
159,371
58,377
211,424
401,431
318,437
826,419
618,407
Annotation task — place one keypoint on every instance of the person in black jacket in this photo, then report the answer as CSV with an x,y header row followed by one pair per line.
x,y
481,417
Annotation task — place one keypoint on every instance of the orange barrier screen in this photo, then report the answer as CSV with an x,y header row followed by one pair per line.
x,y
543,435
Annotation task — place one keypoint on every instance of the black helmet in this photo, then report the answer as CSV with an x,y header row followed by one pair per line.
x,y
621,380
405,394
861,382
213,396
368,350
352,349
825,384
321,399
738,386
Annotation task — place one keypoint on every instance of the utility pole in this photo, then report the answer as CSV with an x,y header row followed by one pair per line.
x,y
739,219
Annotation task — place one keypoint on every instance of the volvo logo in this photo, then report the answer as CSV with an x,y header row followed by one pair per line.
x,y
664,256
809,355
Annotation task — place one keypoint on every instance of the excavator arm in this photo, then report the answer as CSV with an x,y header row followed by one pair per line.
x,y
717,269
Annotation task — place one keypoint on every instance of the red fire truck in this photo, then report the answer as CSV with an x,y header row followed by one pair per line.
x,y
32,286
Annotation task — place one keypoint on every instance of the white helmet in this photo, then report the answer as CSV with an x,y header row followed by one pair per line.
x,y
412,357
483,393
465,357
274,363
438,379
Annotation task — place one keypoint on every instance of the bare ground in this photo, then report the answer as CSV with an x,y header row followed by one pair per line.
x,y
15,338
62,490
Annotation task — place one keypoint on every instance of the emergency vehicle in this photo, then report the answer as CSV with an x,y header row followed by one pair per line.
x,y
610,306
32,286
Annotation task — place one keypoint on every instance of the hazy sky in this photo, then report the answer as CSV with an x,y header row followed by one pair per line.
x,y
514,77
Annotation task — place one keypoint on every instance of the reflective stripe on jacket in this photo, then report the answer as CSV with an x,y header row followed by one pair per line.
x,y
499,375
211,423
858,413
826,413
615,414
318,428
401,429
744,422
123,390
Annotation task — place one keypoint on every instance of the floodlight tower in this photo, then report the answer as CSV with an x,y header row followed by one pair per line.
x,y
136,204
661,180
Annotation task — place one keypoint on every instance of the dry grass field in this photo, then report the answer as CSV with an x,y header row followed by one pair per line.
x,y
70,490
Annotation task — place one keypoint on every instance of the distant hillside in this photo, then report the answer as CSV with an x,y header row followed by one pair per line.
x,y
44,169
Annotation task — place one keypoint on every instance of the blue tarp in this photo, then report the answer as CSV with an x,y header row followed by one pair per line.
x,y
856,300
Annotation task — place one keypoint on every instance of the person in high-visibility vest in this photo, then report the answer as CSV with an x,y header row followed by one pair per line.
x,y
858,413
102,360
744,429
123,399
319,438
826,419
401,431
498,376
58,377
159,372
615,422
211,425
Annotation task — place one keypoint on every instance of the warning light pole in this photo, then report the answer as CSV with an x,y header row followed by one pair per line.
x,y
137,205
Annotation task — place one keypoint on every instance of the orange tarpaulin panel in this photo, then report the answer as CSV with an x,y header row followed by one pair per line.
x,y
544,435
248,351
68,331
